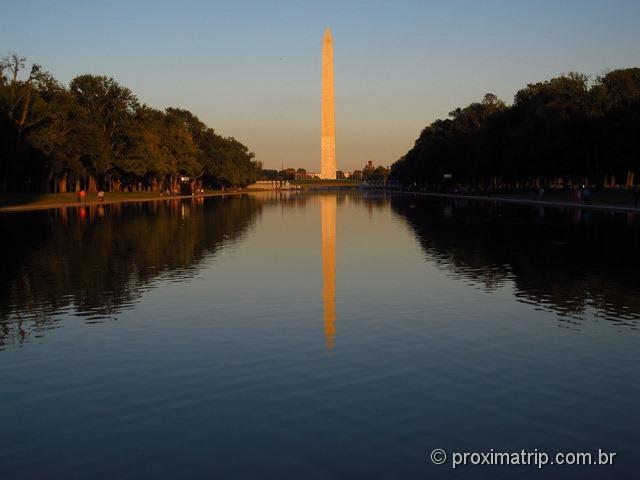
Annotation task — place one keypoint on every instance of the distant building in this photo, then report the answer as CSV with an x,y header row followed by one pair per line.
x,y
356,175
289,173
339,175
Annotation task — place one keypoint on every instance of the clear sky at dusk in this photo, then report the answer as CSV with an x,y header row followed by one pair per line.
x,y
252,69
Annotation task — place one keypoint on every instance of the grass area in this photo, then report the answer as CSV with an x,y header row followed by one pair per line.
x,y
40,199
598,197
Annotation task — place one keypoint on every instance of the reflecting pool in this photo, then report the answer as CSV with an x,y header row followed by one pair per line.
x,y
329,335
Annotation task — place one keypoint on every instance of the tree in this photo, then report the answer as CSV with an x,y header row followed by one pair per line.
x,y
96,134
560,129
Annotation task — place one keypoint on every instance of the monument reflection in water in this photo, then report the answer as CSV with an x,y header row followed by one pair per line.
x,y
328,217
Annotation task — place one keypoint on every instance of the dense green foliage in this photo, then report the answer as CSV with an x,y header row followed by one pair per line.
x,y
96,134
561,131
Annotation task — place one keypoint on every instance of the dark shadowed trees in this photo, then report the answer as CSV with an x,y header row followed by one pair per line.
x,y
96,134
561,131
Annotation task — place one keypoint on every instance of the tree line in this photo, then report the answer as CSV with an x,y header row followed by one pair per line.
x,y
95,134
561,132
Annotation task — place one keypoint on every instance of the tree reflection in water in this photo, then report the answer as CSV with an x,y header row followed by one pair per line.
x,y
566,260
98,260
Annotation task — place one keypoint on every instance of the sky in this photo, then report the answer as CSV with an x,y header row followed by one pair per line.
x,y
251,69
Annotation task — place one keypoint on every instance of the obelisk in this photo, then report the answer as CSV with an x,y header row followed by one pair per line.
x,y
328,130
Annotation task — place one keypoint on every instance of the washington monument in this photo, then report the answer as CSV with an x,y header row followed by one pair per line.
x,y
328,132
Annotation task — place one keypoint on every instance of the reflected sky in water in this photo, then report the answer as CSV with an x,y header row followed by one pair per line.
x,y
331,335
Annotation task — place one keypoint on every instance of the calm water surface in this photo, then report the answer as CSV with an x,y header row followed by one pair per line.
x,y
316,336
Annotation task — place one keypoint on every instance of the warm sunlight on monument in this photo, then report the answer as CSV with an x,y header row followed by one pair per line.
x,y
328,134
